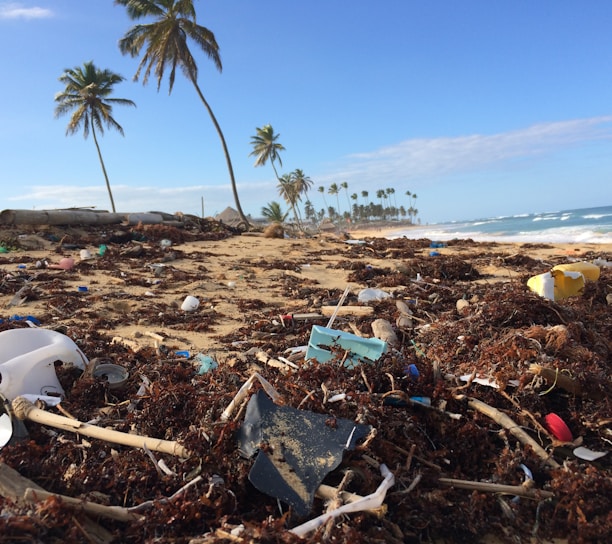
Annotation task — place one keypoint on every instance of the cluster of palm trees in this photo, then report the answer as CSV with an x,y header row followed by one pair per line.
x,y
294,187
291,187
164,45
359,208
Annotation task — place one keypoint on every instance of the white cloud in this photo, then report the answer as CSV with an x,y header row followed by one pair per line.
x,y
13,10
422,158
133,199
417,164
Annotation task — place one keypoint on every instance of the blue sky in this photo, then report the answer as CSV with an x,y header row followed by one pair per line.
x,y
480,108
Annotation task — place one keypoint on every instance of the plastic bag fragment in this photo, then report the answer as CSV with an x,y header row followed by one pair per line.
x,y
295,449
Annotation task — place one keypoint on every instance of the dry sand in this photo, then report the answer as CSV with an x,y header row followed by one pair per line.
x,y
123,291
221,274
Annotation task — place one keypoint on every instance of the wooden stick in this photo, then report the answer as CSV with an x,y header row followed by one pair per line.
x,y
112,512
488,487
328,311
328,493
509,424
24,409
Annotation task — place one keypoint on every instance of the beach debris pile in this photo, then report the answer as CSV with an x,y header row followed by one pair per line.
x,y
438,405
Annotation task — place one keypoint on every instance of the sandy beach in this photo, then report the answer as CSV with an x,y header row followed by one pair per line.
x,y
124,306
222,273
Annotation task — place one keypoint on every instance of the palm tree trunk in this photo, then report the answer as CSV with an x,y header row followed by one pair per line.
x,y
225,150
110,193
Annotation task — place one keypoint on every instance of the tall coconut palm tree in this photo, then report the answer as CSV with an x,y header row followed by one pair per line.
x,y
287,189
321,190
309,211
87,96
355,206
334,190
344,185
266,148
303,183
165,45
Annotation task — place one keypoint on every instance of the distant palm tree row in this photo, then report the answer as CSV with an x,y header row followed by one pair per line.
x,y
294,187
359,208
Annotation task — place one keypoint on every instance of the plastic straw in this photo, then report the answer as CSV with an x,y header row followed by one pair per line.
x,y
340,303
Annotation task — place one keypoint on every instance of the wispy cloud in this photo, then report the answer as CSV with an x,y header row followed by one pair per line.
x,y
187,199
420,163
435,157
14,10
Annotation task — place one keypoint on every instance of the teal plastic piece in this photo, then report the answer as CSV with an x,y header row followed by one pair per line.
x,y
207,363
324,341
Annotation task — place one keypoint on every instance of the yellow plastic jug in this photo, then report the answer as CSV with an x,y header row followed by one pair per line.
x,y
564,280
589,270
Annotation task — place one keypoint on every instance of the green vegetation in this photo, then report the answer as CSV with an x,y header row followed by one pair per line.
x,y
274,213
87,96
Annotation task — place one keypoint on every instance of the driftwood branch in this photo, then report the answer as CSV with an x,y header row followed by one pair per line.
x,y
509,424
24,409
517,490
112,512
556,378
13,486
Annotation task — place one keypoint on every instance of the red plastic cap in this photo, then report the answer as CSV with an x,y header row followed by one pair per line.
x,y
558,428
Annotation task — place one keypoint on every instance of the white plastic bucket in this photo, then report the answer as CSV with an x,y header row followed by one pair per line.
x,y
27,358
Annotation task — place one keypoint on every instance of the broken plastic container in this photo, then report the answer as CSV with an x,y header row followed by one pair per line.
x,y
302,448
323,341
27,358
564,280
589,270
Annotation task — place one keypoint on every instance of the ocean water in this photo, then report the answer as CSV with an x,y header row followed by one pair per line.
x,y
585,225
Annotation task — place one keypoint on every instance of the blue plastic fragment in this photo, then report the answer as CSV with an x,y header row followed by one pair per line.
x,y
29,318
412,371
182,354
425,401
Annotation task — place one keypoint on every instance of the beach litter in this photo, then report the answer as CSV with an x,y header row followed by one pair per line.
x,y
457,406
326,344
295,449
564,280
27,361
